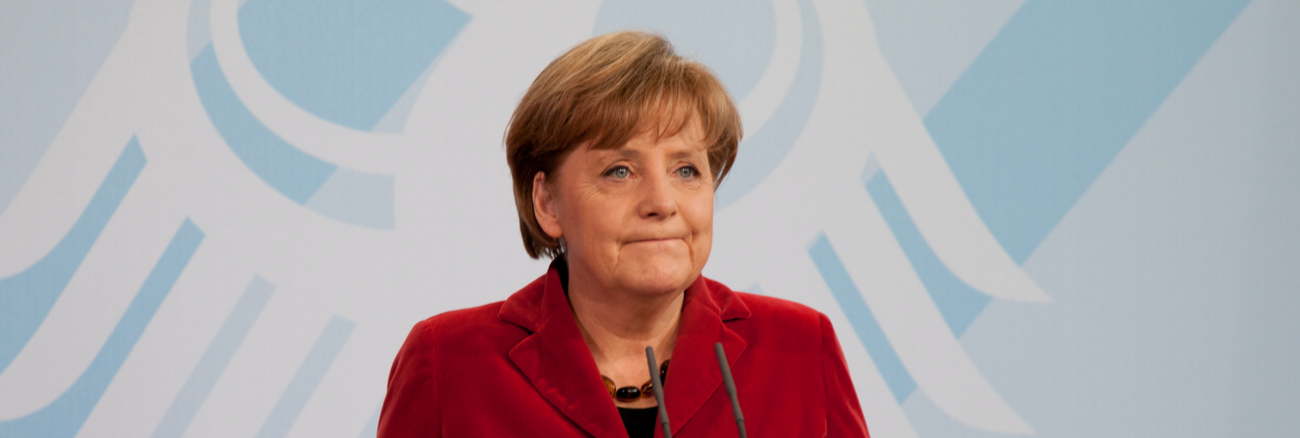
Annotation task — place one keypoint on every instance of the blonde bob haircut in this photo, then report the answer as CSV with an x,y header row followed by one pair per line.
x,y
600,95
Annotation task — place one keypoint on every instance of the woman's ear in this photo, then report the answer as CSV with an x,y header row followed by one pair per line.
x,y
544,207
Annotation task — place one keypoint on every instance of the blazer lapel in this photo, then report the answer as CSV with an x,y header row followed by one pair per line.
x,y
693,376
556,359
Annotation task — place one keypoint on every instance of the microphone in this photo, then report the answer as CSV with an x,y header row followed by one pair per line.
x,y
658,386
731,388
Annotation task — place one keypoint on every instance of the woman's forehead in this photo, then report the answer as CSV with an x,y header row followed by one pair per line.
x,y
685,143
673,118
661,119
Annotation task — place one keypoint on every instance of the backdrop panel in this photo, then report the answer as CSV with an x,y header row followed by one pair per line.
x,y
1024,217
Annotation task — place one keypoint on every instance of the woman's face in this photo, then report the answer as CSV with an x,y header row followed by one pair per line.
x,y
638,218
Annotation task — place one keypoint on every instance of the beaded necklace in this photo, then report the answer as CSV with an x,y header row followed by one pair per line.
x,y
630,393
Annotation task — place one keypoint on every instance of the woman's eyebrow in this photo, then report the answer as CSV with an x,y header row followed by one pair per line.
x,y
629,153
685,153
621,152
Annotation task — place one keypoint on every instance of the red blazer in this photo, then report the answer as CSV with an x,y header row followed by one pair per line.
x,y
521,368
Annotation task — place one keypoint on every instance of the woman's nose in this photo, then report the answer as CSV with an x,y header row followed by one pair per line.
x,y
658,197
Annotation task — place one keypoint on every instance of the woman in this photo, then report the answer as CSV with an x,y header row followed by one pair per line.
x,y
615,152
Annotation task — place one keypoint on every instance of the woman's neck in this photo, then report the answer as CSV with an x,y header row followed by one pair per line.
x,y
618,325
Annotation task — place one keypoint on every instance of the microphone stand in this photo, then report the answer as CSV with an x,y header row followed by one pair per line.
x,y
658,386
731,388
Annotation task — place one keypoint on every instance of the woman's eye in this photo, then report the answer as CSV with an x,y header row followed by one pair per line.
x,y
619,172
686,172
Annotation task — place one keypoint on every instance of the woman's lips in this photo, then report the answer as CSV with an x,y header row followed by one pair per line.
x,y
656,240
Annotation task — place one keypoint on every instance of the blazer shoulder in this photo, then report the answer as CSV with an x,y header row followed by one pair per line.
x,y
779,314
466,328
777,307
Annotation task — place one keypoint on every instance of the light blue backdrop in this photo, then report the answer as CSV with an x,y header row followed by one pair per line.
x,y
1024,217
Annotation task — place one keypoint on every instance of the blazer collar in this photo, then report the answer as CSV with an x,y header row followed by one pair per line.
x,y
557,361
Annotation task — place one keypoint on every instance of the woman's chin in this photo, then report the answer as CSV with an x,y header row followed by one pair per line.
x,y
658,279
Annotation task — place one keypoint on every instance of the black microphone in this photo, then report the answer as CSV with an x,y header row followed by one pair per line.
x,y
658,386
731,388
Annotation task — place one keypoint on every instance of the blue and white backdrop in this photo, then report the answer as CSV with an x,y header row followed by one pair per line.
x,y
1024,217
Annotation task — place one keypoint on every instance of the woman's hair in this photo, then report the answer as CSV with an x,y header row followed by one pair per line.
x,y
603,93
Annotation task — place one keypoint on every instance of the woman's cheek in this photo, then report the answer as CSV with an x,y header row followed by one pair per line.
x,y
702,230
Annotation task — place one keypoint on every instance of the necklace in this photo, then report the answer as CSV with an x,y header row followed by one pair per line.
x,y
629,393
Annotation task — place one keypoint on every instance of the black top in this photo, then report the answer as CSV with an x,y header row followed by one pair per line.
x,y
640,422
